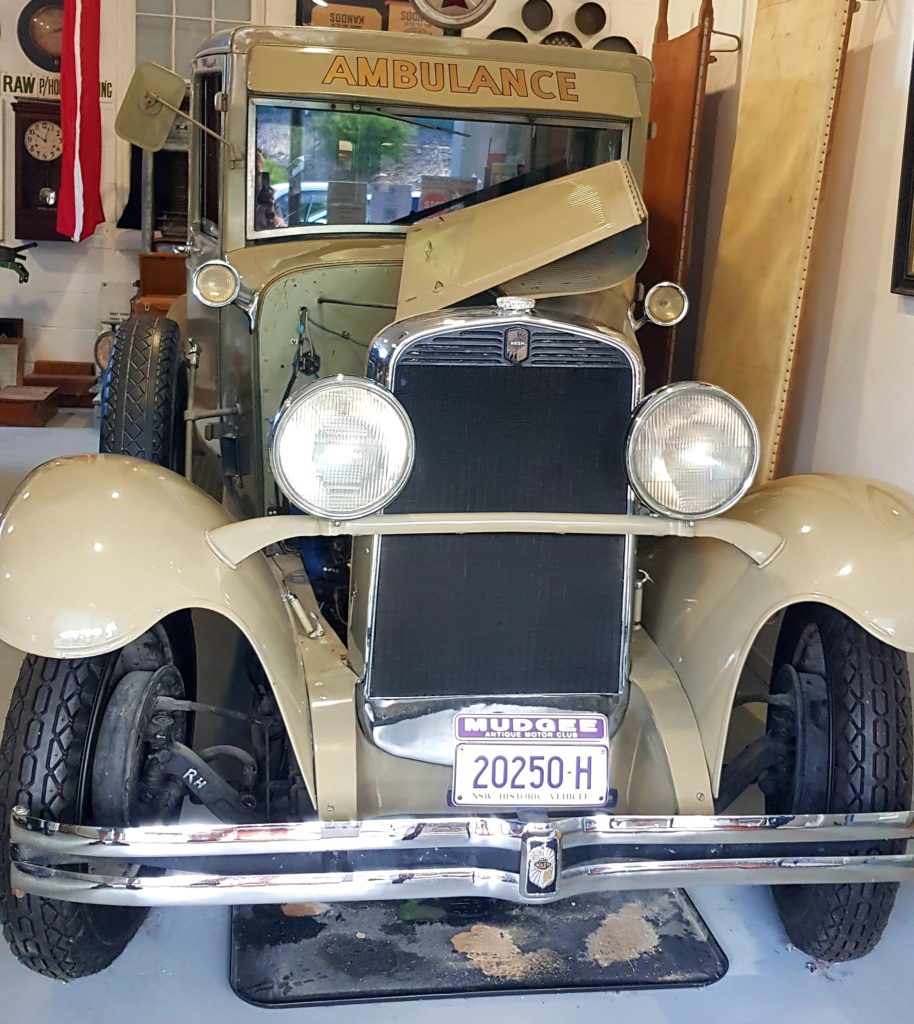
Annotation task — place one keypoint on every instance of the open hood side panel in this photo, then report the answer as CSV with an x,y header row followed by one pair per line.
x,y
583,232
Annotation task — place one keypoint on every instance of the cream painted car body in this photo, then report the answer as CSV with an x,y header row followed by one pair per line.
x,y
292,270
842,541
130,542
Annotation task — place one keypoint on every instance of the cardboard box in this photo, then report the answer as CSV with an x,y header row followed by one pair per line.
x,y
347,16
403,17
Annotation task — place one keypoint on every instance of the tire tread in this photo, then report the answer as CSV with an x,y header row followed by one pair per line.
x,y
40,756
871,771
139,390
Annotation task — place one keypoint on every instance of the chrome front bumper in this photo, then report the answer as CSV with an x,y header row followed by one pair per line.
x,y
388,859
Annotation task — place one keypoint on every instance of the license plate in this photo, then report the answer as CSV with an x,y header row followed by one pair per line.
x,y
539,760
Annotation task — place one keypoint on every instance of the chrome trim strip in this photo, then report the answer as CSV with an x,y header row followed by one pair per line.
x,y
36,835
195,889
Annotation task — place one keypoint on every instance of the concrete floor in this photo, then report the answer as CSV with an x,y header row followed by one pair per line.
x,y
177,965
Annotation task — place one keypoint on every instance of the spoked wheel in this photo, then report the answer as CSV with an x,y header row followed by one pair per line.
x,y
75,749
846,733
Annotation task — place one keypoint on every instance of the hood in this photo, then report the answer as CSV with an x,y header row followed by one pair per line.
x,y
584,232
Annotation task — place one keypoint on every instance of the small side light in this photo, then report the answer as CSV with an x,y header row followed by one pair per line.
x,y
666,304
216,283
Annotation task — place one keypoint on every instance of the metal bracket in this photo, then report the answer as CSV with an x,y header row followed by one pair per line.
x,y
746,769
732,49
205,784
192,415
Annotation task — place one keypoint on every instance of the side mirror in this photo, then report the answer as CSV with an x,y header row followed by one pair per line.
x,y
150,107
666,304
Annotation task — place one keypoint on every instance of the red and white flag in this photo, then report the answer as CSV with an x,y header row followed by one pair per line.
x,y
79,209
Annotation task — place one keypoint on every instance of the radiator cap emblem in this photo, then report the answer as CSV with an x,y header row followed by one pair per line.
x,y
515,303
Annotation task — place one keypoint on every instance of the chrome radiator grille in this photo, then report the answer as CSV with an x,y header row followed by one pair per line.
x,y
522,614
487,348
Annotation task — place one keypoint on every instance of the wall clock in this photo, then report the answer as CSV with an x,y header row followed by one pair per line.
x,y
39,148
41,32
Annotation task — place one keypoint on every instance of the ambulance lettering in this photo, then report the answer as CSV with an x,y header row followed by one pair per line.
x,y
457,79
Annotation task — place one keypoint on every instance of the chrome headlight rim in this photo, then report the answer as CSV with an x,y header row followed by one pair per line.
x,y
651,402
307,392
195,287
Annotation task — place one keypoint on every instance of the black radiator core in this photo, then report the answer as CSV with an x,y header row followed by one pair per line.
x,y
498,614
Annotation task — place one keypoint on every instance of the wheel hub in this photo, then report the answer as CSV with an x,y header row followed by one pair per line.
x,y
125,786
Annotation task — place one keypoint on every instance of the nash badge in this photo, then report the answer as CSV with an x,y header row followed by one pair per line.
x,y
517,344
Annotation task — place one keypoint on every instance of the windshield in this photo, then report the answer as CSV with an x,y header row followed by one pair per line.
x,y
319,167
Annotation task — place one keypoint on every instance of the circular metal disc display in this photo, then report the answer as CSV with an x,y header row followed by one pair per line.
x,y
453,13
40,31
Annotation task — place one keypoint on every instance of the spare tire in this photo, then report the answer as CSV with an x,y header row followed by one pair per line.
x,y
144,393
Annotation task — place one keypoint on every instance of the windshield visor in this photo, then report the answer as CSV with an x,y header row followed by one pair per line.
x,y
342,170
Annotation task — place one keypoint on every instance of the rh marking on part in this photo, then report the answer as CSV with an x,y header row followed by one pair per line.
x,y
193,778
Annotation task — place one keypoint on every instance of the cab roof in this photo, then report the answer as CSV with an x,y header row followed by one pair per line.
x,y
243,39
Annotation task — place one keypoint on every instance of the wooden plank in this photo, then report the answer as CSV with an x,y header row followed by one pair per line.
x,y
677,108
759,278
26,393
63,366
66,384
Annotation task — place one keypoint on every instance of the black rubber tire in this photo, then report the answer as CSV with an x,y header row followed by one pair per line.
x,y
42,757
144,393
52,729
865,764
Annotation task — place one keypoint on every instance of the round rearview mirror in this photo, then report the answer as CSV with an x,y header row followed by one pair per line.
x,y
666,304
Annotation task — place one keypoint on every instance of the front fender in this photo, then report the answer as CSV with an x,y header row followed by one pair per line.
x,y
848,543
94,549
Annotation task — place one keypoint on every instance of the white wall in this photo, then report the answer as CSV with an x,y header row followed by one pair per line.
x,y
852,410
60,304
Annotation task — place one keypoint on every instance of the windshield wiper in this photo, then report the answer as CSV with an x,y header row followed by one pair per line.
x,y
420,124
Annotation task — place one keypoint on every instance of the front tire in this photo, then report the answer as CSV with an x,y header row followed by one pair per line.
x,y
59,717
849,749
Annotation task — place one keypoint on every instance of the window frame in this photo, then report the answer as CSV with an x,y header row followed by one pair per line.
x,y
257,17
356,106
198,149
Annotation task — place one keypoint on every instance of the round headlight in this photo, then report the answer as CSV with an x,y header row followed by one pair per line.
x,y
342,447
216,283
693,450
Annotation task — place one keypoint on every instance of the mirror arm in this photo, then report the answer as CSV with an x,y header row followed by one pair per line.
x,y
233,153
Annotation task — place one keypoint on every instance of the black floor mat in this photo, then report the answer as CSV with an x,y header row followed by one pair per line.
x,y
314,953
